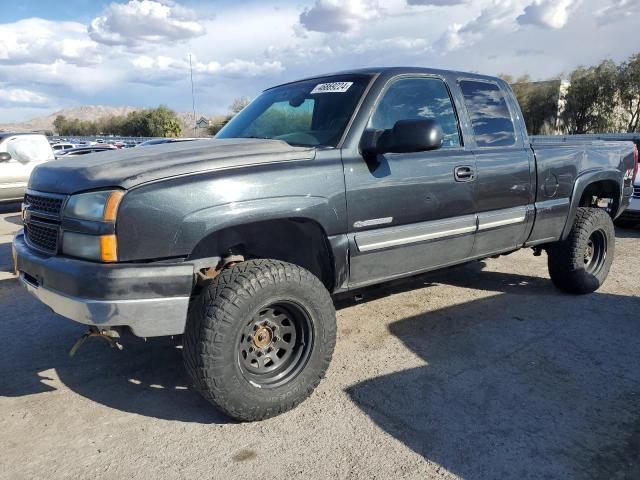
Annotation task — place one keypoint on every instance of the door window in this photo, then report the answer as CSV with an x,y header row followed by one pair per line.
x,y
416,98
490,117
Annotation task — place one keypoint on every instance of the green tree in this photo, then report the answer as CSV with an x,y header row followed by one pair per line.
x,y
629,93
591,99
217,125
238,104
60,124
236,107
162,122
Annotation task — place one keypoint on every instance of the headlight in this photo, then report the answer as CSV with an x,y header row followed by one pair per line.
x,y
100,206
94,206
101,248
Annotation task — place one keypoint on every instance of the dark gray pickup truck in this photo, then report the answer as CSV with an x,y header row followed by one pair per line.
x,y
317,187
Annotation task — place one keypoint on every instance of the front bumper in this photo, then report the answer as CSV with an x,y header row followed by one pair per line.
x,y
151,299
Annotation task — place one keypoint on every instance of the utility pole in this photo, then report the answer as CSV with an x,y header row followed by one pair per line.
x,y
193,98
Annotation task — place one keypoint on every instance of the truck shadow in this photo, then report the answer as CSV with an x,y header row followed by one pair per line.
x,y
525,383
9,207
146,378
6,261
628,232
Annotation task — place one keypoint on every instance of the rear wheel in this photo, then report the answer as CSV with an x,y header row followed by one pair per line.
x,y
580,263
259,338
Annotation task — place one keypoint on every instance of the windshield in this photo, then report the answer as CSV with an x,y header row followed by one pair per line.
x,y
308,113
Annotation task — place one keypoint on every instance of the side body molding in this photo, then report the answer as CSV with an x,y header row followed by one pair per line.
x,y
419,232
439,229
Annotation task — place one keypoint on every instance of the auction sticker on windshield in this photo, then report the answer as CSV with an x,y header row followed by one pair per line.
x,y
334,87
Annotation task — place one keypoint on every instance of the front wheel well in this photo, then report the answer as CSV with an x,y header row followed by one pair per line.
x,y
300,241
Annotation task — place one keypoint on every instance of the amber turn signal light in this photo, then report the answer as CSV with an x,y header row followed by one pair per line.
x,y
111,207
108,248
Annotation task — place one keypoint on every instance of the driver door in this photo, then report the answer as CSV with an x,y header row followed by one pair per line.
x,y
410,212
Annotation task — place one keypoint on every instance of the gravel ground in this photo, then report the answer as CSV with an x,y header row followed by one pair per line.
x,y
481,371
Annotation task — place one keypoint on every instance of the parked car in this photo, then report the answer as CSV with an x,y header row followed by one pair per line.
x,y
19,154
630,218
239,242
61,147
85,150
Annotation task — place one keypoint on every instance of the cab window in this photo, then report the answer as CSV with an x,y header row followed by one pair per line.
x,y
416,98
489,113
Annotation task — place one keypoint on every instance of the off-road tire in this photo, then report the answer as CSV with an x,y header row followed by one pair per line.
x,y
218,317
567,259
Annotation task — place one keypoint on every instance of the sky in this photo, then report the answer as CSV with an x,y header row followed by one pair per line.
x,y
64,54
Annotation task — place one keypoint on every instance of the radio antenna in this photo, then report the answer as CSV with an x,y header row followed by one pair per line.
x,y
193,97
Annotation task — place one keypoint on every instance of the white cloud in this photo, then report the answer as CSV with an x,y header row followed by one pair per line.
x,y
453,39
39,41
547,13
233,68
495,16
436,3
241,48
618,9
338,15
21,97
144,21
507,16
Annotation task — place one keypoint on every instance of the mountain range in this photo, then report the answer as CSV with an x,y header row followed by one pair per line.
x,y
86,112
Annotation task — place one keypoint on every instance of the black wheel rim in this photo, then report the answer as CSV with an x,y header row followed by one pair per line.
x,y
275,344
595,252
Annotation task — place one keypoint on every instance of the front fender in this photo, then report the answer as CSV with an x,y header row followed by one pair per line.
x,y
201,224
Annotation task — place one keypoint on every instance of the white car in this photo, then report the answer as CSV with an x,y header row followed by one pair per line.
x,y
60,147
20,153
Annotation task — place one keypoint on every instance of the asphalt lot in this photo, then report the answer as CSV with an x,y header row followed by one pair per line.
x,y
482,371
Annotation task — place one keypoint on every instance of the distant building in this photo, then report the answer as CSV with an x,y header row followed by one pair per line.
x,y
203,122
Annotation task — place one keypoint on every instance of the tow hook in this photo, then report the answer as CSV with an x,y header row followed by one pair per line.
x,y
106,335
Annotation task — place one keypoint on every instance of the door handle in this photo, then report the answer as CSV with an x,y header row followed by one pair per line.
x,y
464,173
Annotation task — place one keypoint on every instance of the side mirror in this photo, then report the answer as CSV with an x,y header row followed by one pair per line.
x,y
406,136
4,157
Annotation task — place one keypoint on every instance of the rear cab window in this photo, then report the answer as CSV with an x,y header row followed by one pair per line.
x,y
489,113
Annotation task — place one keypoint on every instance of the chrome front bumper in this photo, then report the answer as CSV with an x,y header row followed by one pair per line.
x,y
151,299
147,317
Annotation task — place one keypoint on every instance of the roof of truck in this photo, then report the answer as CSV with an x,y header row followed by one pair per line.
x,y
394,71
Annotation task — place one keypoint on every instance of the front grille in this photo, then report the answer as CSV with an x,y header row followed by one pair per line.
x,y
45,238
39,203
636,191
43,212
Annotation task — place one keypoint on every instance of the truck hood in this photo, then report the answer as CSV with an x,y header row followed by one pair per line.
x,y
135,166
